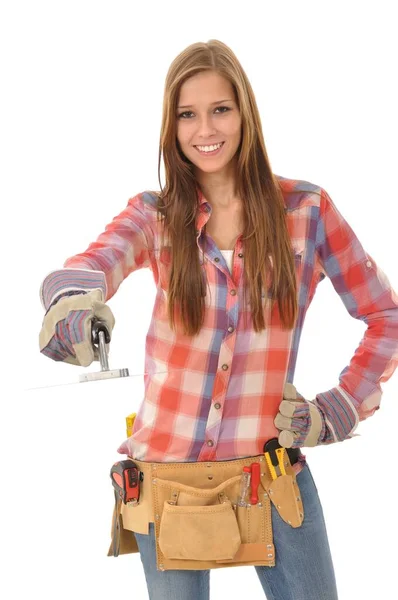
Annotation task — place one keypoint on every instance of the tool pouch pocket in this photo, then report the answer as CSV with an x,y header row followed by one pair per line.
x,y
196,523
198,520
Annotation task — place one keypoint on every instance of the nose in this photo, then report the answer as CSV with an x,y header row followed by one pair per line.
x,y
206,127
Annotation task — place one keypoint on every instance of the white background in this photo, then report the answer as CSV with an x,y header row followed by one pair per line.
x,y
82,86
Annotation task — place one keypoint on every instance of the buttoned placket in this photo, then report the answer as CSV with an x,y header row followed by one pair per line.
x,y
222,377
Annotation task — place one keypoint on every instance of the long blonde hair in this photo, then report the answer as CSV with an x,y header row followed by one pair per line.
x,y
264,232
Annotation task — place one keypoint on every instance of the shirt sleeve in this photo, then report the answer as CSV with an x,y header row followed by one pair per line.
x,y
367,295
122,248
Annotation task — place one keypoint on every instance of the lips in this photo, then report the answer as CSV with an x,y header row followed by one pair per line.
x,y
213,144
210,153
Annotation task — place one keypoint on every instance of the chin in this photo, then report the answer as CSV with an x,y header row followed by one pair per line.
x,y
210,166
209,169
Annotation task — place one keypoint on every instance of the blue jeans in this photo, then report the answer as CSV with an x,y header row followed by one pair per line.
x,y
303,570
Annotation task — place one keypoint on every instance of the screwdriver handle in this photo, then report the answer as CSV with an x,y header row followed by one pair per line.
x,y
255,481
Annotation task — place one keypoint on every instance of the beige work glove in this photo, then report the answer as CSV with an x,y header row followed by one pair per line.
x,y
300,422
331,417
66,330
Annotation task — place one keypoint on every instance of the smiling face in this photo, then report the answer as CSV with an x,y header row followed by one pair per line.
x,y
207,115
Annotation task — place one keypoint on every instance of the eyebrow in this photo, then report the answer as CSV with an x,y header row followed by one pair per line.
x,y
212,103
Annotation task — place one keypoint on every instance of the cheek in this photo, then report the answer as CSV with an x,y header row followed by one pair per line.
x,y
237,127
183,135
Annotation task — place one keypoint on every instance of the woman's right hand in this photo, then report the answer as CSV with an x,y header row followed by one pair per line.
x,y
66,330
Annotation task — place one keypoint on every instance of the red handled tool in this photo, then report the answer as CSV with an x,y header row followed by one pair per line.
x,y
255,481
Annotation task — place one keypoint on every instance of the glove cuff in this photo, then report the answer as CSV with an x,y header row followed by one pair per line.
x,y
66,280
340,413
317,426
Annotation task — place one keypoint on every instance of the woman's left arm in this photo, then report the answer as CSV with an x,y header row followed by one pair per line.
x,y
367,295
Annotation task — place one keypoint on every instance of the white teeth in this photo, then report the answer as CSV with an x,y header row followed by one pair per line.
x,y
209,148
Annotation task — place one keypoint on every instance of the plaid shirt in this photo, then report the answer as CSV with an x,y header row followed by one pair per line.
x,y
222,389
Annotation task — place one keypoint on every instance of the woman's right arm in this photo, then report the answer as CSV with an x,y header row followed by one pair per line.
x,y
75,296
122,248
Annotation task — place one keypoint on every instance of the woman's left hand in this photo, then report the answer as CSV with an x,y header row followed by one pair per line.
x,y
299,421
312,422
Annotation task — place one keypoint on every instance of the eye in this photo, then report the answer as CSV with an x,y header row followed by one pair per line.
x,y
181,115
224,108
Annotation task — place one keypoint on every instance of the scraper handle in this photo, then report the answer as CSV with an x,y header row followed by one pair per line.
x,y
96,327
101,336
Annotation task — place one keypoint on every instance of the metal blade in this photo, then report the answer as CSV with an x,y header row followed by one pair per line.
x,y
98,376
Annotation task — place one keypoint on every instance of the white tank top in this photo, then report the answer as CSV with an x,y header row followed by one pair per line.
x,y
228,254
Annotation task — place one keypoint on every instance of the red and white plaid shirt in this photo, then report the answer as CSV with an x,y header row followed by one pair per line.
x,y
222,389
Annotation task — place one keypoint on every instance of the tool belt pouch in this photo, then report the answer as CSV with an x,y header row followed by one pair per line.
x,y
195,523
203,527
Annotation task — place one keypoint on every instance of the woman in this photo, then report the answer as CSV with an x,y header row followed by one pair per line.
x,y
236,253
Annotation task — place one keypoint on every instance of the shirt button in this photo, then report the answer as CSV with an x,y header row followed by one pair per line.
x,y
368,263
230,329
240,255
216,259
209,443
233,292
217,405
224,367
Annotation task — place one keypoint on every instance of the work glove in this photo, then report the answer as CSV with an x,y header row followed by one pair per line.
x,y
66,330
313,422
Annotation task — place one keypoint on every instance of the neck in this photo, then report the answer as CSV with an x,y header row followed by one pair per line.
x,y
219,188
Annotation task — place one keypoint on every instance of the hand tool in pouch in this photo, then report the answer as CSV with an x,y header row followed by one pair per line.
x,y
126,479
130,423
255,481
244,485
275,456
283,490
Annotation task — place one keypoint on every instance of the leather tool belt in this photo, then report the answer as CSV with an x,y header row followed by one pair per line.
x,y
198,521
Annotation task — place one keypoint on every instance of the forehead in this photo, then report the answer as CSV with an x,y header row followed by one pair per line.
x,y
205,87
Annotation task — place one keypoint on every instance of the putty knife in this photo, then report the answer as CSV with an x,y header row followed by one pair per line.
x,y
100,336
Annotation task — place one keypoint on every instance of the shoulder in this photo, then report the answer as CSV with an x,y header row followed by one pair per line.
x,y
145,203
147,199
299,193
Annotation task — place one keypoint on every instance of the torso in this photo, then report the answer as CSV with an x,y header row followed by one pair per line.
x,y
225,226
